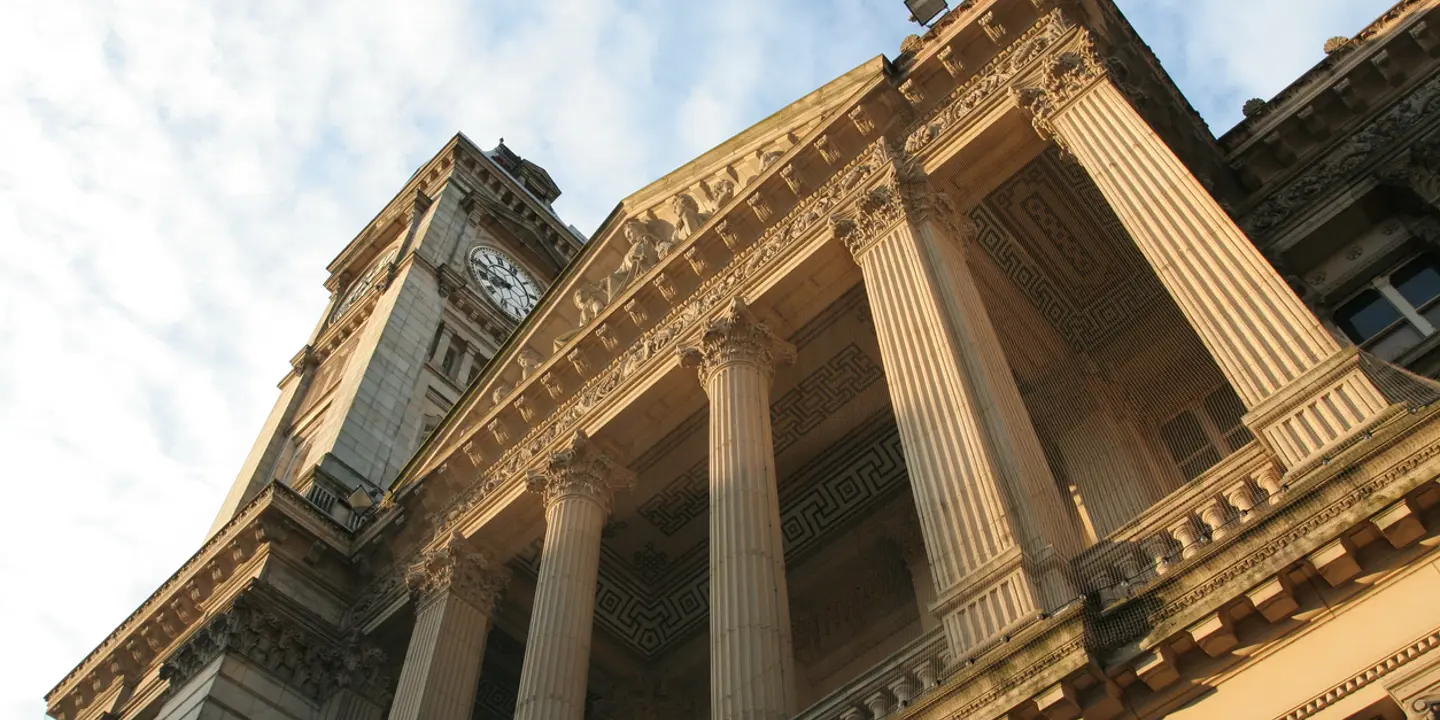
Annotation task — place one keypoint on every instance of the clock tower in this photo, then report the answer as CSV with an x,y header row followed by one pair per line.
x,y
420,300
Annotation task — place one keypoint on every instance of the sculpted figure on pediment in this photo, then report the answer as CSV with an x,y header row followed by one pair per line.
x,y
644,252
721,191
591,299
688,217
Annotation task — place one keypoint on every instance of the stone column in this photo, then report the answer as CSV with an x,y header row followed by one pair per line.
x,y
1303,392
442,345
578,485
455,590
752,661
996,531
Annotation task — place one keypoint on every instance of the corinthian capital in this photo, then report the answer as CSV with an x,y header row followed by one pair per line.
x,y
455,567
1066,75
898,199
579,470
736,336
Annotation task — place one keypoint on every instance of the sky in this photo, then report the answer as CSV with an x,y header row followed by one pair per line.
x,y
174,176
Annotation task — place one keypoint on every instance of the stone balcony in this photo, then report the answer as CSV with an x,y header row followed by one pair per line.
x,y
890,685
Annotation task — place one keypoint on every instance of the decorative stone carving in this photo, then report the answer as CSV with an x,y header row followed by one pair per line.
x,y
453,566
502,391
992,27
737,336
1339,45
727,235
581,362
579,469
903,195
760,206
861,117
1254,107
953,65
722,191
993,78
663,283
591,299
636,311
912,92
688,218
552,383
500,430
529,361
827,151
527,411
792,179
602,331
312,665
697,261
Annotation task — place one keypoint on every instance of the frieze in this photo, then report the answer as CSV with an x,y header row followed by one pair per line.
x,y
1359,150
316,667
991,81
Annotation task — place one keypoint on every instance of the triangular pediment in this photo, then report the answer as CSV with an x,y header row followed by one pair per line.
x,y
636,239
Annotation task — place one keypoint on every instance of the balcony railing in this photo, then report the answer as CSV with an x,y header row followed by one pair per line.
x,y
892,684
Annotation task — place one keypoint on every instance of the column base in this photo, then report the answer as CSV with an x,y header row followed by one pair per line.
x,y
1337,400
1001,597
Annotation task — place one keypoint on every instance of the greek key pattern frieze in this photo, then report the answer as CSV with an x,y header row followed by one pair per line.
x,y
824,497
794,414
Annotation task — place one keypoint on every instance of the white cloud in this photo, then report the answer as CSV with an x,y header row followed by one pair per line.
x,y
177,174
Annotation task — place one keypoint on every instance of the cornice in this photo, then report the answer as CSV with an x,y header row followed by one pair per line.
x,y
1318,77
182,594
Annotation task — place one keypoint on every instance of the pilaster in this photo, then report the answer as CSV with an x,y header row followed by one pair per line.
x,y
996,532
1260,334
578,486
752,659
455,589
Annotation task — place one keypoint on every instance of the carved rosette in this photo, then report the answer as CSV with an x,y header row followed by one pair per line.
x,y
580,470
904,194
471,575
736,336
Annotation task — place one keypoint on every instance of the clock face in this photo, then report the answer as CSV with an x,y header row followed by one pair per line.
x,y
504,281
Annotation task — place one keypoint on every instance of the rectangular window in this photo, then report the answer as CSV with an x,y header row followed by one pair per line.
x,y
1200,436
1399,309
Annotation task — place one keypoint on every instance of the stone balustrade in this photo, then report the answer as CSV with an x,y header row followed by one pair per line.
x,y
890,686
1211,507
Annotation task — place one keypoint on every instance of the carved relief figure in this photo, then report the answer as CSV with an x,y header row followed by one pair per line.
x,y
722,191
688,217
591,299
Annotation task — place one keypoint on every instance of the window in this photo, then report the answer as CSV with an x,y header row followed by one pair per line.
x,y
1200,436
1398,310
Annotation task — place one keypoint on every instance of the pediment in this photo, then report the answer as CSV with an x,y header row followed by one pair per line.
x,y
637,237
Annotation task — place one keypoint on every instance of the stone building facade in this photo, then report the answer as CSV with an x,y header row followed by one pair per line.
x,y
982,382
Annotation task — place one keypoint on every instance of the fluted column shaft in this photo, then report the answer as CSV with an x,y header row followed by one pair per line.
x,y
1303,392
1255,326
996,531
752,662
456,591
577,485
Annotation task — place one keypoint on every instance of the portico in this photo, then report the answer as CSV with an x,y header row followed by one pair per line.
x,y
902,401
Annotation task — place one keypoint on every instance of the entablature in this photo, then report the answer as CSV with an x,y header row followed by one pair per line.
x,y
204,585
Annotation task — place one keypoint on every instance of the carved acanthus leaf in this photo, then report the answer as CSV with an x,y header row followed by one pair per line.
x,y
579,469
736,336
454,567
